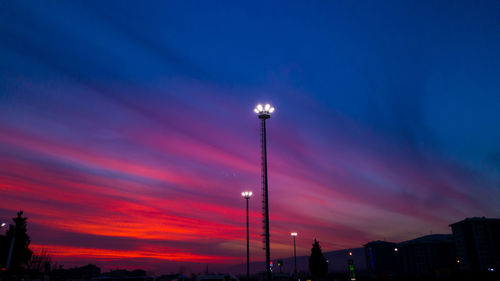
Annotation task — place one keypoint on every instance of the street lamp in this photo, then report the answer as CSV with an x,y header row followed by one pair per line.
x,y
11,249
247,195
294,234
3,224
264,112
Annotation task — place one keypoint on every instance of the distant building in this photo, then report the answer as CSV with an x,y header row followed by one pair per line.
x,y
477,244
431,255
380,257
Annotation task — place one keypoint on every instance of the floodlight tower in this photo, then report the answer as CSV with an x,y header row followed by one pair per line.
x,y
264,112
247,195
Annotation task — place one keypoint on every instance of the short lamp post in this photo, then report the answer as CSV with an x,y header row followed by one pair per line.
x,y
11,249
294,234
247,195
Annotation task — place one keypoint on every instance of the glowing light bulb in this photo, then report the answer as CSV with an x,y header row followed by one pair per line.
x,y
246,194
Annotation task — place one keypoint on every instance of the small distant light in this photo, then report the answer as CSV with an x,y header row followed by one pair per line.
x,y
3,268
458,261
259,107
293,233
491,269
350,253
396,249
267,107
271,110
3,224
256,110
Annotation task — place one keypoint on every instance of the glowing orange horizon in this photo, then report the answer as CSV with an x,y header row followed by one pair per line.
x,y
58,251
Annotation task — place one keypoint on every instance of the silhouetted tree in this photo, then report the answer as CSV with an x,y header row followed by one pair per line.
x,y
318,266
125,273
4,249
21,253
84,272
40,262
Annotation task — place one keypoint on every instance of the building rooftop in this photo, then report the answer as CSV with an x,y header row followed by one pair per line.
x,y
430,239
476,219
379,242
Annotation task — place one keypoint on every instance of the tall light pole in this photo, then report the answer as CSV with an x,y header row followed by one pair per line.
x,y
247,195
294,234
264,112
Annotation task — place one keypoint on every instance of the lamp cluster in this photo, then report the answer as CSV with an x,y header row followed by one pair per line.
x,y
246,194
264,109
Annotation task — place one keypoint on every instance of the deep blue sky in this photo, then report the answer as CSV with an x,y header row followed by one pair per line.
x,y
387,122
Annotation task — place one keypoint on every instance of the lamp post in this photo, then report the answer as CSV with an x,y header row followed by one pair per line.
x,y
264,112
11,249
247,195
294,234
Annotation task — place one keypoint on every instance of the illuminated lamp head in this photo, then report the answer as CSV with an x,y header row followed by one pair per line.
x,y
264,111
246,194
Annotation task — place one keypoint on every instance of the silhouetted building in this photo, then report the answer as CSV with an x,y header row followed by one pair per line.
x,y
477,244
426,256
380,257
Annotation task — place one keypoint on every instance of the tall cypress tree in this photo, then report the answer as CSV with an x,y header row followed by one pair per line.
x,y
318,266
21,253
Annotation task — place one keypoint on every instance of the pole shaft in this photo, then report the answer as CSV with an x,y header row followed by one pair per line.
x,y
9,258
266,197
248,246
294,257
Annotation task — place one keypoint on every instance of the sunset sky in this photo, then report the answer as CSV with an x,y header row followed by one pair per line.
x,y
127,130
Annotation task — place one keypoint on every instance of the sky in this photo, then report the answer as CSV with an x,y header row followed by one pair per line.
x,y
127,130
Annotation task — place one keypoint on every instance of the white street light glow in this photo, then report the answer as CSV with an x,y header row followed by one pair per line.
x,y
264,109
246,194
293,233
